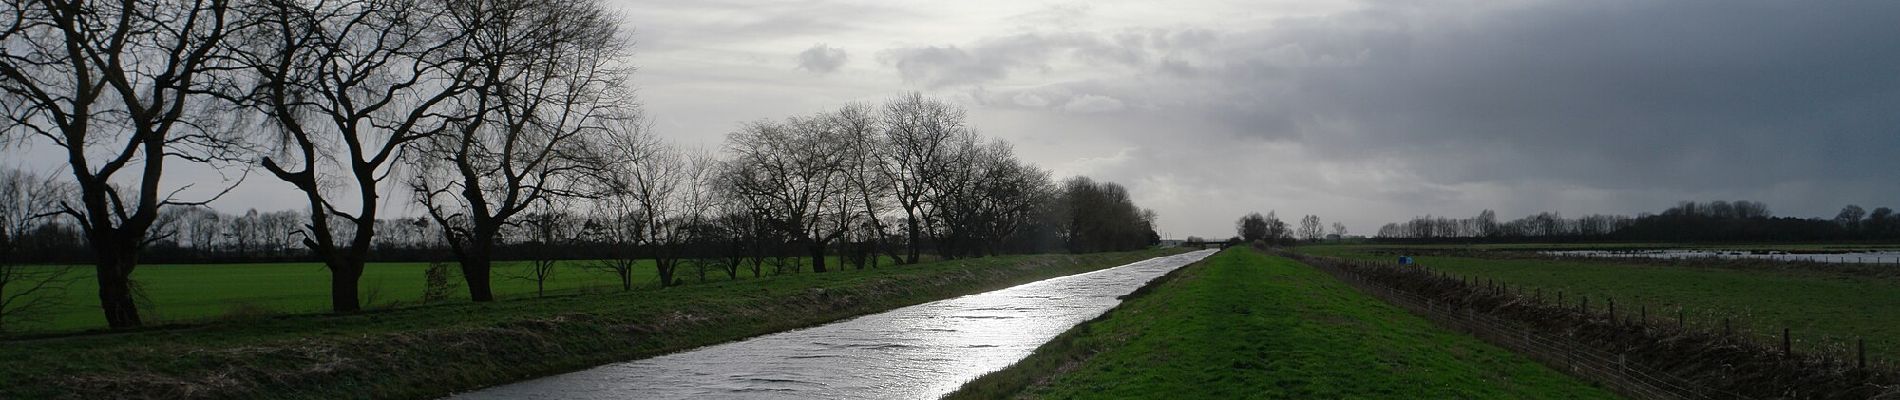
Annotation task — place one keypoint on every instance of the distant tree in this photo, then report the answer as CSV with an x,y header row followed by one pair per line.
x,y
27,203
1751,209
1339,230
548,230
1311,229
1276,229
1850,217
1487,224
921,137
792,172
1251,227
1881,223
868,170
1099,216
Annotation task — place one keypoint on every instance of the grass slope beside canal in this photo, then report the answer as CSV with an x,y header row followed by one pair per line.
x,y
1821,308
431,351
1246,325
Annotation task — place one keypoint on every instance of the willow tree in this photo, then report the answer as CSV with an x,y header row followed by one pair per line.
x,y
552,78
348,86
118,88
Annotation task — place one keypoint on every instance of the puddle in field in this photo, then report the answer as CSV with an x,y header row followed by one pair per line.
x,y
1862,257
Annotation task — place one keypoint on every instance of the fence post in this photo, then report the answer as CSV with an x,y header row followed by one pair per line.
x,y
1860,352
1644,309
1787,345
1726,329
1681,320
1583,307
1612,301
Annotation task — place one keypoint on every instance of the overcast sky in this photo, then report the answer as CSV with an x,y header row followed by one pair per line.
x,y
1358,111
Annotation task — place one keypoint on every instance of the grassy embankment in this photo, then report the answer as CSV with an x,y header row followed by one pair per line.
x,y
1821,308
430,351
187,293
1246,325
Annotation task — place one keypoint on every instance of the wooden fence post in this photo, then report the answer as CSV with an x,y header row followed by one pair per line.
x,y
1787,345
1612,301
1726,329
1860,352
1644,309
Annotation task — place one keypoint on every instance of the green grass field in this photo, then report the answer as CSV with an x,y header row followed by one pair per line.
x,y
192,293
430,351
1822,309
1246,325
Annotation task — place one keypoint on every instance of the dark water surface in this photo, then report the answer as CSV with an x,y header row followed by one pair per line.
x,y
916,352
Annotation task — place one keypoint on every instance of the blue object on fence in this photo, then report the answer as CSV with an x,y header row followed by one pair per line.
x,y
1405,260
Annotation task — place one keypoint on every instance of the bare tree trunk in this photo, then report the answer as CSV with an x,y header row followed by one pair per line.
x,y
476,271
115,291
817,256
344,293
666,268
916,240
478,264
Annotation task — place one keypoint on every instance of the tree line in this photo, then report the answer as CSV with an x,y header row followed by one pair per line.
x,y
510,123
1687,221
1269,229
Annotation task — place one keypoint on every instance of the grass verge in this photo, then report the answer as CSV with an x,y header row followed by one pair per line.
x,y
430,351
191,293
1242,324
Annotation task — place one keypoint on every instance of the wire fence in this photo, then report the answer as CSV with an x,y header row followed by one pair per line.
x,y
1614,366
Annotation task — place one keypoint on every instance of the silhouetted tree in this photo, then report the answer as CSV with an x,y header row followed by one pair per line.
x,y
551,80
1251,227
118,87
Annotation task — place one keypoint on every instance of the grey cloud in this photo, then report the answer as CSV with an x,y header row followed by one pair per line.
x,y
1616,95
1615,106
1089,103
821,59
996,58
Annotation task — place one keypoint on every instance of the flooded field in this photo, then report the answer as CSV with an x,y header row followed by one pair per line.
x,y
1862,257
916,352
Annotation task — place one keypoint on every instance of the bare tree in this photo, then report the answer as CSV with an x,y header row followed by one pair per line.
x,y
921,134
203,228
1013,191
550,81
866,170
791,173
27,202
1311,229
1276,229
348,85
664,193
1339,230
118,87
548,230
617,215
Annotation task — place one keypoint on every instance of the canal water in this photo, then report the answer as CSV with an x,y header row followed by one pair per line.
x,y
916,352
